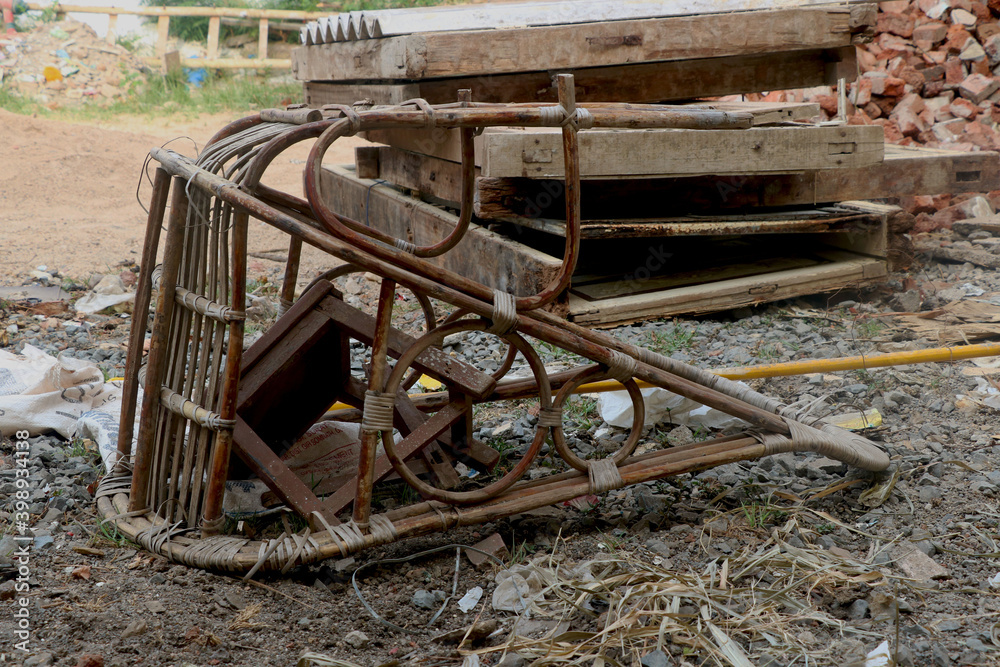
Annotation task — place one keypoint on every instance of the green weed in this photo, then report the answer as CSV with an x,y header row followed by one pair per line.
x,y
582,410
868,328
668,342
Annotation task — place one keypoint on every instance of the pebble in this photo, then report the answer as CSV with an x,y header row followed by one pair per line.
x,y
356,639
135,629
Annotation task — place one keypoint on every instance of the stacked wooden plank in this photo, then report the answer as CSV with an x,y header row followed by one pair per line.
x,y
674,221
677,50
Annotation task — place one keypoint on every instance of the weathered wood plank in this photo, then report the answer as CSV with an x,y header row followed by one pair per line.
x,y
482,255
537,152
409,20
813,222
643,82
842,269
905,171
488,52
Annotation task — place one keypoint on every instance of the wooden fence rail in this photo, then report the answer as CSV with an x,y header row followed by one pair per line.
x,y
214,15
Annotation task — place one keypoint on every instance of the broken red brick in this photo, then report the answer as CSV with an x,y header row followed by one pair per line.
x,y
859,117
828,103
977,87
918,204
986,30
890,130
895,24
954,71
934,33
862,93
962,108
956,38
980,10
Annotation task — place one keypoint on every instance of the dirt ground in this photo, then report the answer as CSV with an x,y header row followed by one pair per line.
x,y
68,192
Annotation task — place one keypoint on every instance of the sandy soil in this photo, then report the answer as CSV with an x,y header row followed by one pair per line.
x,y
68,192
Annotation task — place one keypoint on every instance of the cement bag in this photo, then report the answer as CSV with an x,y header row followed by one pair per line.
x,y
40,393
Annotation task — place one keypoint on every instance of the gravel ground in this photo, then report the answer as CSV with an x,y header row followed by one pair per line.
x,y
913,570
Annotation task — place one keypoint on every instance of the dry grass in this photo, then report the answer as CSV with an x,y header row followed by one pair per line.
x,y
244,619
763,599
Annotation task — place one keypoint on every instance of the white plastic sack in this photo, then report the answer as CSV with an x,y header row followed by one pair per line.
x,y
109,293
661,405
40,393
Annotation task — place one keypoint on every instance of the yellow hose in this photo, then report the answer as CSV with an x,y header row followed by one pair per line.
x,y
804,366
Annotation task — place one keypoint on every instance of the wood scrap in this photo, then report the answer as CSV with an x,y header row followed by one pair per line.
x,y
961,321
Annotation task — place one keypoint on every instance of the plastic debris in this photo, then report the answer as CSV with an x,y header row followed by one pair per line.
x,y
879,657
470,599
661,405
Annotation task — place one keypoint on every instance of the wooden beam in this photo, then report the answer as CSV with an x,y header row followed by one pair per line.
x,y
213,38
230,63
493,52
262,39
905,171
482,255
112,29
234,12
537,152
646,82
162,33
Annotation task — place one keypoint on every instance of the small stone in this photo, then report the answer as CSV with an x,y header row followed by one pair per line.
x,y
941,656
512,660
157,579
858,610
424,599
90,660
43,542
659,548
492,546
235,600
656,658
39,660
356,639
977,645
155,606
681,435
916,564
135,628
344,564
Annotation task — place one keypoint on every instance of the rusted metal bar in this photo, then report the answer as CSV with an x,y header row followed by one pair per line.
x,y
140,312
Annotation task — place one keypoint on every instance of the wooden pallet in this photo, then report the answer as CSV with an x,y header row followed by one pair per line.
x,y
622,280
905,170
537,153
603,44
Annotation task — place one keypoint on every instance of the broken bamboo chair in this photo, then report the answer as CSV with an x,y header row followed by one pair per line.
x,y
210,410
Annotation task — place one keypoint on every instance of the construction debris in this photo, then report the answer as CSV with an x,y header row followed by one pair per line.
x,y
65,63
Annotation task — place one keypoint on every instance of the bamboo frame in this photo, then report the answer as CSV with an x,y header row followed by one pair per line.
x,y
178,476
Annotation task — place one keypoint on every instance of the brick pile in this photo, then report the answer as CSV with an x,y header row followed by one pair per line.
x,y
930,77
